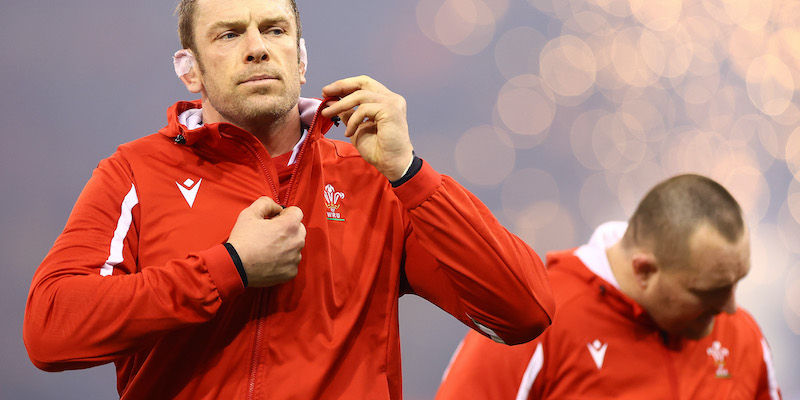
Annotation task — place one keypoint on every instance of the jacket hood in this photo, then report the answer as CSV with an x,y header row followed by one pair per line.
x,y
180,114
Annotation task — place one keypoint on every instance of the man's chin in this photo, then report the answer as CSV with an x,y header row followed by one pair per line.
x,y
267,107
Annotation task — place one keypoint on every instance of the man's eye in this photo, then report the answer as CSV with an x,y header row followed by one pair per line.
x,y
228,35
275,31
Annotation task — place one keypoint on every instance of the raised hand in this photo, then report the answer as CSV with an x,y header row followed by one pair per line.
x,y
376,122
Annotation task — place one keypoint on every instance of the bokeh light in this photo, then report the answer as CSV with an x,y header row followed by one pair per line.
x,y
793,198
526,187
791,303
598,203
546,226
567,65
634,184
657,15
789,229
616,95
482,157
770,84
581,136
769,262
793,152
525,106
629,61
619,142
517,51
747,184
464,27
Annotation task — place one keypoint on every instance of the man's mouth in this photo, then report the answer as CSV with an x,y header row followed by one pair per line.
x,y
262,78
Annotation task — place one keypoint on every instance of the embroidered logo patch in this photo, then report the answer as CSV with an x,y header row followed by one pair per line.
x,y
332,198
189,190
598,351
718,355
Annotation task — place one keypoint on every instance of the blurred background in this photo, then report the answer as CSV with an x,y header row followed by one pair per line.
x,y
558,114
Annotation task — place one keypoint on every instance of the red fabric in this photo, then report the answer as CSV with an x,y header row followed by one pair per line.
x,y
174,316
281,163
636,363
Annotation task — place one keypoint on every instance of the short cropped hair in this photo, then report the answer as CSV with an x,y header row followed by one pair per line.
x,y
186,10
671,211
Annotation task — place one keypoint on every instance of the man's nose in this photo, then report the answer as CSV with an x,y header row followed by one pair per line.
x,y
256,50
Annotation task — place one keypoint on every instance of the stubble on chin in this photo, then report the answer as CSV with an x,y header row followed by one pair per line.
x,y
257,109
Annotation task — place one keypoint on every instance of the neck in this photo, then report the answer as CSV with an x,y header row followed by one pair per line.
x,y
278,135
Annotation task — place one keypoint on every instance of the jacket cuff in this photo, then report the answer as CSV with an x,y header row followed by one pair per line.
x,y
420,187
412,169
237,262
223,271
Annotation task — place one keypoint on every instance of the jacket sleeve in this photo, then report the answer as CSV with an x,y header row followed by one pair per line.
x,y
767,383
91,303
459,257
482,369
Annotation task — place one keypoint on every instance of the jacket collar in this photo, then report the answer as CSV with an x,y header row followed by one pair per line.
x,y
592,267
316,125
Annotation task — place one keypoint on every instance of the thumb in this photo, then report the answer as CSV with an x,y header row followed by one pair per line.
x,y
264,208
291,214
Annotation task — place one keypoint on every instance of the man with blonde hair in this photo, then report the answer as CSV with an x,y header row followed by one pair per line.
x,y
239,254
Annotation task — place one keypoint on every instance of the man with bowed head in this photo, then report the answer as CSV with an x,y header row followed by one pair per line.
x,y
239,254
646,310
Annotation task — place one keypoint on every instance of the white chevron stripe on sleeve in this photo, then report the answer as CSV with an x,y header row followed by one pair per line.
x,y
123,225
534,367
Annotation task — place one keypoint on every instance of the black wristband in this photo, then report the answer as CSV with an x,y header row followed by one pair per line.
x,y
416,165
237,262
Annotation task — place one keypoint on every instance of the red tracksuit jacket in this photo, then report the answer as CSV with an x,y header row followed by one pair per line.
x,y
602,345
140,277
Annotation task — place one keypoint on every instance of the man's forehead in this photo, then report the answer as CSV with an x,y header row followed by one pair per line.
x,y
211,11
717,263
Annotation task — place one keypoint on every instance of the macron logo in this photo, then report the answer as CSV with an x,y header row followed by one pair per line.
x,y
598,352
189,190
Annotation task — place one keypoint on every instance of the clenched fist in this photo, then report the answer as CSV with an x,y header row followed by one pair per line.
x,y
268,239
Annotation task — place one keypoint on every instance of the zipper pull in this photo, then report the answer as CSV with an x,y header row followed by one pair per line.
x,y
180,139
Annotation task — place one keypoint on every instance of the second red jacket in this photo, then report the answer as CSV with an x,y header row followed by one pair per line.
x,y
603,345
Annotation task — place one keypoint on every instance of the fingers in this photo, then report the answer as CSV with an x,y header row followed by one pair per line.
x,y
263,208
355,92
291,214
362,115
343,87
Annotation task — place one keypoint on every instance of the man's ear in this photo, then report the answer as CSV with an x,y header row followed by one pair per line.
x,y
302,73
303,60
644,267
187,69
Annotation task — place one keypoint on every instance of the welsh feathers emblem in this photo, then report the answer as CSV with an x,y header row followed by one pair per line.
x,y
332,198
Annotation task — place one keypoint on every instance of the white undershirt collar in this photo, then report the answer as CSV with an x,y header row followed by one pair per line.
x,y
593,254
193,119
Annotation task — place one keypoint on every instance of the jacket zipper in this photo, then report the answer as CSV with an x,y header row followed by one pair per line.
x,y
261,300
260,323
256,348
300,154
260,160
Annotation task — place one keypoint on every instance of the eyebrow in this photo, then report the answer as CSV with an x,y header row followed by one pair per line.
x,y
234,23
